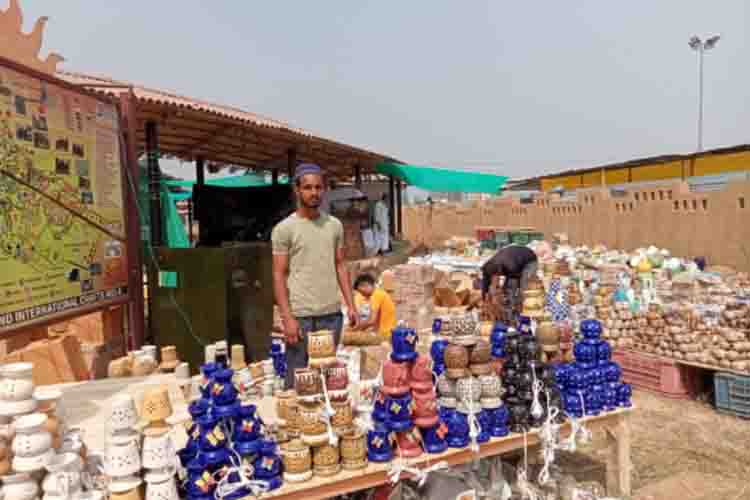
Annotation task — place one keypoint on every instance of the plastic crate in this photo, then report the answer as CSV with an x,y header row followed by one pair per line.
x,y
502,238
732,394
519,238
488,244
656,374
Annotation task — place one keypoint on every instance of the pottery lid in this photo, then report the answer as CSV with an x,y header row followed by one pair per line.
x,y
29,422
46,394
294,445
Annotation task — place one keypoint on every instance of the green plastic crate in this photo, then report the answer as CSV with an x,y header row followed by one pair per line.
x,y
519,238
502,238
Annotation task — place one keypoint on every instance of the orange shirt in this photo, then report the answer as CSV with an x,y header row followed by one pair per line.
x,y
379,301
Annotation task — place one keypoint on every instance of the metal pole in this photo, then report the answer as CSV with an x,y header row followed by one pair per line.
x,y
391,208
190,220
399,209
700,98
154,181
200,181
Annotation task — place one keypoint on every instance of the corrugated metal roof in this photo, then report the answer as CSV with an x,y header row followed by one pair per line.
x,y
107,85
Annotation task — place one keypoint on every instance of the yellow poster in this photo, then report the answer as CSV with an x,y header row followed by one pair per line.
x,y
62,225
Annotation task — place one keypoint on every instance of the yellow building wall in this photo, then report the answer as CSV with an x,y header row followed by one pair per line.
x,y
616,176
592,179
657,172
567,182
717,164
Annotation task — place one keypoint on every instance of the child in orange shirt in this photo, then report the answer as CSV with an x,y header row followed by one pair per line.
x,y
375,306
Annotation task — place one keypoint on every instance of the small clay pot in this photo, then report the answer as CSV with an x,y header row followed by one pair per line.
x,y
343,417
548,334
283,400
326,460
456,361
353,447
481,353
321,348
296,456
307,383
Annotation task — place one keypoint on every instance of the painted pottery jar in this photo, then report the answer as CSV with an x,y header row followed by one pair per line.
x,y
337,382
421,379
447,402
604,352
379,411
284,400
446,387
492,391
612,372
207,374
326,460
499,423
409,443
213,434
308,384
268,464
465,330
399,412
379,444
343,414
158,451
456,361
480,353
122,458
591,329
395,378
437,326
321,345
161,486
437,350
529,348
403,342
548,334
353,450
425,411
485,426
297,460
200,484
624,393
64,475
512,340
433,438
585,352
468,389
223,391
458,430
32,445
16,383
20,486
312,426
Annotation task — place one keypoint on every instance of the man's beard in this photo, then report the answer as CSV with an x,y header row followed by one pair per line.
x,y
310,204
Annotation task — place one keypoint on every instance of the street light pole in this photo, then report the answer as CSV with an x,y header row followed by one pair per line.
x,y
701,47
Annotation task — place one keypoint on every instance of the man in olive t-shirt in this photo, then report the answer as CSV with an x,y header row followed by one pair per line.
x,y
309,270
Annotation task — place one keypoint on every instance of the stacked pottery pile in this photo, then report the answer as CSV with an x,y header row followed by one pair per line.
x,y
392,412
169,359
16,389
592,384
64,478
297,461
497,344
32,443
122,457
437,351
548,335
158,455
426,416
278,357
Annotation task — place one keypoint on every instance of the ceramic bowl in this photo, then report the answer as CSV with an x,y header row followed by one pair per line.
x,y
158,451
20,486
31,438
16,382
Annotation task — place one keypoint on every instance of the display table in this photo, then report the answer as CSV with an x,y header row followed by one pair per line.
x,y
86,405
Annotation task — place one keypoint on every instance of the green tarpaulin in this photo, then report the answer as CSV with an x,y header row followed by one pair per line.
x,y
444,180
238,181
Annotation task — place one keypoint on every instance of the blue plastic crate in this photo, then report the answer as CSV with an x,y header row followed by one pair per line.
x,y
732,394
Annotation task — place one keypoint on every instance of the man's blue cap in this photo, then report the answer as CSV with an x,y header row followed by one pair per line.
x,y
306,169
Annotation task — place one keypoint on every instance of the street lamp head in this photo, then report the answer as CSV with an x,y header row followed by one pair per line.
x,y
711,42
694,42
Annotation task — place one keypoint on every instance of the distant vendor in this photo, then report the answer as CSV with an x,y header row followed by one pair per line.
x,y
517,264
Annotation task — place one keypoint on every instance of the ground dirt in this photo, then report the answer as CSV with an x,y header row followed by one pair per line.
x,y
685,450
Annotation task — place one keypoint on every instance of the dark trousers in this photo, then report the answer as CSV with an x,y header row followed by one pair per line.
x,y
296,355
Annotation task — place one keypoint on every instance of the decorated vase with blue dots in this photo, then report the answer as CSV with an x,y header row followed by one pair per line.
x,y
398,409
499,421
484,419
591,329
624,393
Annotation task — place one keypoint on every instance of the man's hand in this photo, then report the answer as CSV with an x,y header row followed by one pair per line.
x,y
351,314
291,330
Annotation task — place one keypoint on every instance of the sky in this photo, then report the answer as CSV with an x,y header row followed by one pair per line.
x,y
518,88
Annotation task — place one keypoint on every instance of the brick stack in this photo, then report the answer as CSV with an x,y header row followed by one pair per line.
x,y
413,286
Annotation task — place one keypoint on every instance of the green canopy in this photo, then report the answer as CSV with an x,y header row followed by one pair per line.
x,y
444,180
237,181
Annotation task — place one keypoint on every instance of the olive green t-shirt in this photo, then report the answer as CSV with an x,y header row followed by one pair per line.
x,y
311,246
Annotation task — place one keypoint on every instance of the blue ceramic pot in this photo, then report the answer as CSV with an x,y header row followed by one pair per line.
x,y
593,404
247,425
226,413
207,371
604,351
438,368
445,413
217,461
268,464
437,351
197,409
577,378
497,352
213,435
624,393
458,430
379,411
485,426
403,343
186,455
591,329
399,413
247,450
585,352
497,337
612,372
433,438
524,325
572,404
610,396
200,482
379,446
437,326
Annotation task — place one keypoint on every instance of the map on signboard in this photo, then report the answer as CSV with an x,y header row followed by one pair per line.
x,y
62,230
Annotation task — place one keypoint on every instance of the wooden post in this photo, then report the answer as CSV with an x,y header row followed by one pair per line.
x,y
391,208
154,181
131,171
358,176
200,181
399,209
190,220
618,463
291,163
